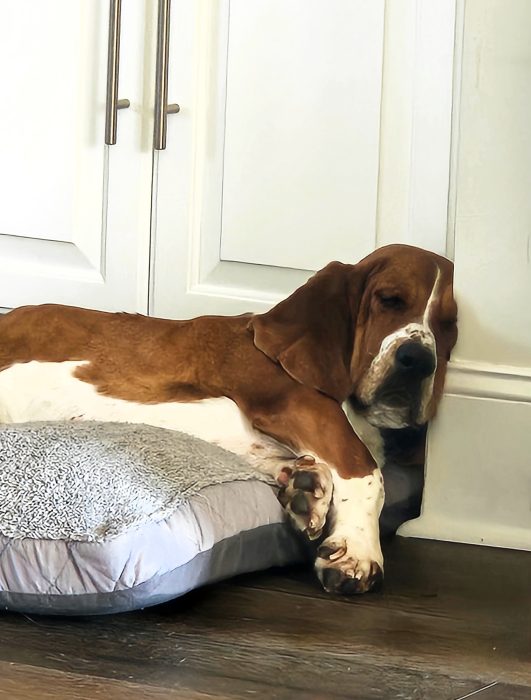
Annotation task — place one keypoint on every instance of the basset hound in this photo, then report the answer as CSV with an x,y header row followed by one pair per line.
x,y
370,340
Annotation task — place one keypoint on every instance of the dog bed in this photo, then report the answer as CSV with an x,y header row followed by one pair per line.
x,y
107,517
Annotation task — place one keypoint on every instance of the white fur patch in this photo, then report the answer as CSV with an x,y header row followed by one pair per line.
x,y
367,433
358,503
48,391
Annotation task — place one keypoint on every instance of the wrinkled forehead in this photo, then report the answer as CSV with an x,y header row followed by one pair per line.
x,y
408,279
424,280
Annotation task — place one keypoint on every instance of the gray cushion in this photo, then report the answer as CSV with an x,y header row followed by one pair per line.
x,y
107,517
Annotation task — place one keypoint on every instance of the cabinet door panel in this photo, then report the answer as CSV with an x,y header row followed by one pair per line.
x,y
42,92
301,131
63,234
295,145
223,243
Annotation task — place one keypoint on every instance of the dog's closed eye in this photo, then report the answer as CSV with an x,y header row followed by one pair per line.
x,y
391,301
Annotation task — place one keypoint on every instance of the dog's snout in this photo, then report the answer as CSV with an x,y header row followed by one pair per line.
x,y
414,358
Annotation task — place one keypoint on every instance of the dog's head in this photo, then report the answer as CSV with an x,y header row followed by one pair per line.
x,y
378,333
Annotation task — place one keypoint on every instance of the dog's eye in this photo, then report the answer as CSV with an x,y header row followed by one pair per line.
x,y
391,301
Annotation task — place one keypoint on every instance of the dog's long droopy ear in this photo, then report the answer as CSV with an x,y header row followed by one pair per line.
x,y
311,333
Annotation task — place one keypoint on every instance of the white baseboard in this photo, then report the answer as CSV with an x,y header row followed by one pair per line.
x,y
478,466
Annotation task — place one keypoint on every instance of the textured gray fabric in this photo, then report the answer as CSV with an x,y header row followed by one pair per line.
x,y
249,550
106,517
223,530
103,518
91,481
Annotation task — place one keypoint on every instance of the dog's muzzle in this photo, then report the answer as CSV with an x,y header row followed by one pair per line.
x,y
401,398
397,389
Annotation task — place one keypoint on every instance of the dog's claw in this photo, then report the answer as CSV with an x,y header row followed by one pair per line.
x,y
342,568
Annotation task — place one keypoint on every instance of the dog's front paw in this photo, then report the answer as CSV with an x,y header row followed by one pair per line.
x,y
306,494
348,568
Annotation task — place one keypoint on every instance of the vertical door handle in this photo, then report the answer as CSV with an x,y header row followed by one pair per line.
x,y
113,104
162,108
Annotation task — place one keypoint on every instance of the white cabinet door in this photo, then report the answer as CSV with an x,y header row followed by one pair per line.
x,y
74,213
302,138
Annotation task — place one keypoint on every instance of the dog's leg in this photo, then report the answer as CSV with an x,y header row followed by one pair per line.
x,y
350,559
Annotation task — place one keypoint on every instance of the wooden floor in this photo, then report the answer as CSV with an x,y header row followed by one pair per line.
x,y
453,621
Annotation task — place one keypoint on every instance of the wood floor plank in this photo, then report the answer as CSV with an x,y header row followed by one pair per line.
x,y
193,660
33,683
449,621
476,601
500,691
505,692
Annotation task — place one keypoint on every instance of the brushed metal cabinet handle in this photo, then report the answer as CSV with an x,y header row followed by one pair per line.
x,y
113,104
162,108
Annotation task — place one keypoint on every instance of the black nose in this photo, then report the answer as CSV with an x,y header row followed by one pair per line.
x,y
415,359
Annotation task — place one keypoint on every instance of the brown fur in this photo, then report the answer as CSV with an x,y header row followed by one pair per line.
x,y
288,370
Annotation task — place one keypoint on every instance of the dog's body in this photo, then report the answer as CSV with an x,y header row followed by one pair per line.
x,y
374,336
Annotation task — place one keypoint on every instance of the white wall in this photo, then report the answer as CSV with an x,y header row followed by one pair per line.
x,y
478,486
